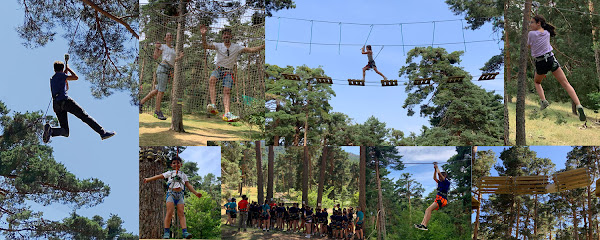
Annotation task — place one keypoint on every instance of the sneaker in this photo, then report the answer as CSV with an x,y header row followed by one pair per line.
x,y
186,235
211,108
421,227
166,235
307,236
229,117
544,104
107,135
581,113
159,115
47,133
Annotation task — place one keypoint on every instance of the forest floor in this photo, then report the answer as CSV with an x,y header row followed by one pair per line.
x,y
555,125
231,232
198,130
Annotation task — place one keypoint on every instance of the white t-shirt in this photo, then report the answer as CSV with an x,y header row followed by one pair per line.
x,y
172,183
168,54
227,61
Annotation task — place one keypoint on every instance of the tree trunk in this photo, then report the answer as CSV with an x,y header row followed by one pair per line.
x,y
270,172
476,227
276,137
305,176
507,75
152,195
575,221
176,108
522,84
596,45
322,170
381,233
518,218
535,217
259,175
589,213
362,185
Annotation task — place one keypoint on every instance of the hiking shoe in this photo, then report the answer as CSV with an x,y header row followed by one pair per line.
x,y
307,236
166,235
107,135
229,117
186,235
421,227
212,109
581,113
47,133
544,104
159,115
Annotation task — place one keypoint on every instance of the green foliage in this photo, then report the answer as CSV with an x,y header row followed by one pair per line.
x,y
203,216
560,119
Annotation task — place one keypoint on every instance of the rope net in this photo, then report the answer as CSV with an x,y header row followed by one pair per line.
x,y
196,65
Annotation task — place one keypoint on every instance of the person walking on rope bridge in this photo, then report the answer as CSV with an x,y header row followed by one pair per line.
x,y
360,217
163,71
63,104
243,207
539,43
441,199
371,63
230,211
177,181
227,55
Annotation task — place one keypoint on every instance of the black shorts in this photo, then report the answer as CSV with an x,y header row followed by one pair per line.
x,y
370,65
233,215
359,225
543,66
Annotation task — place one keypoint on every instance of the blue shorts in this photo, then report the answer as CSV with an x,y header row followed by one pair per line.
x,y
162,76
225,75
175,197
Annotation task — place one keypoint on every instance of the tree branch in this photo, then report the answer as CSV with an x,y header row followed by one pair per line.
x,y
105,13
106,50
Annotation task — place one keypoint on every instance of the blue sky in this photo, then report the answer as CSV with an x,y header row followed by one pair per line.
x,y
362,102
208,159
114,161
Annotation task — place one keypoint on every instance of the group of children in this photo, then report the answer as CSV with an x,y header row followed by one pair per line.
x,y
342,224
226,59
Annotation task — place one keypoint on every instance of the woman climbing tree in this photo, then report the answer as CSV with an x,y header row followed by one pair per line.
x,y
539,43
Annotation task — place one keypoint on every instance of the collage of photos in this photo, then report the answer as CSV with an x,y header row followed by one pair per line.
x,y
288,119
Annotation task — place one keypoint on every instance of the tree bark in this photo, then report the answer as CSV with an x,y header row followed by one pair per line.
x,y
596,45
177,113
259,174
322,170
270,172
522,82
476,227
507,75
381,234
152,195
305,176
362,188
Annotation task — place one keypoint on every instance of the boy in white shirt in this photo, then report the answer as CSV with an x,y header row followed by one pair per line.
x,y
227,55
163,71
177,181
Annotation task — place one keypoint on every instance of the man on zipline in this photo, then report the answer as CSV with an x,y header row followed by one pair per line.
x,y
63,104
441,199
227,55
163,71
371,63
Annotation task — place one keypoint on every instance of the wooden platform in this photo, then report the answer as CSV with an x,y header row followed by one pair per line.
x,y
521,185
572,179
293,77
474,203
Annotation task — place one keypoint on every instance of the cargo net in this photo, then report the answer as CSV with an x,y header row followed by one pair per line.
x,y
197,63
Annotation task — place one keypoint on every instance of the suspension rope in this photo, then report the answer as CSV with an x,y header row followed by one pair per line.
x,y
433,37
368,35
378,52
389,45
340,42
311,33
463,33
402,35
278,30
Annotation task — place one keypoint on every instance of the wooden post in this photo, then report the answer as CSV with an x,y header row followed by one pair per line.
x,y
522,84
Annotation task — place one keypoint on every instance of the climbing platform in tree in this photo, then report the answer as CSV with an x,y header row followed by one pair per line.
x,y
386,83
474,203
356,82
530,185
455,79
497,185
572,179
293,77
325,80
422,81
488,76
